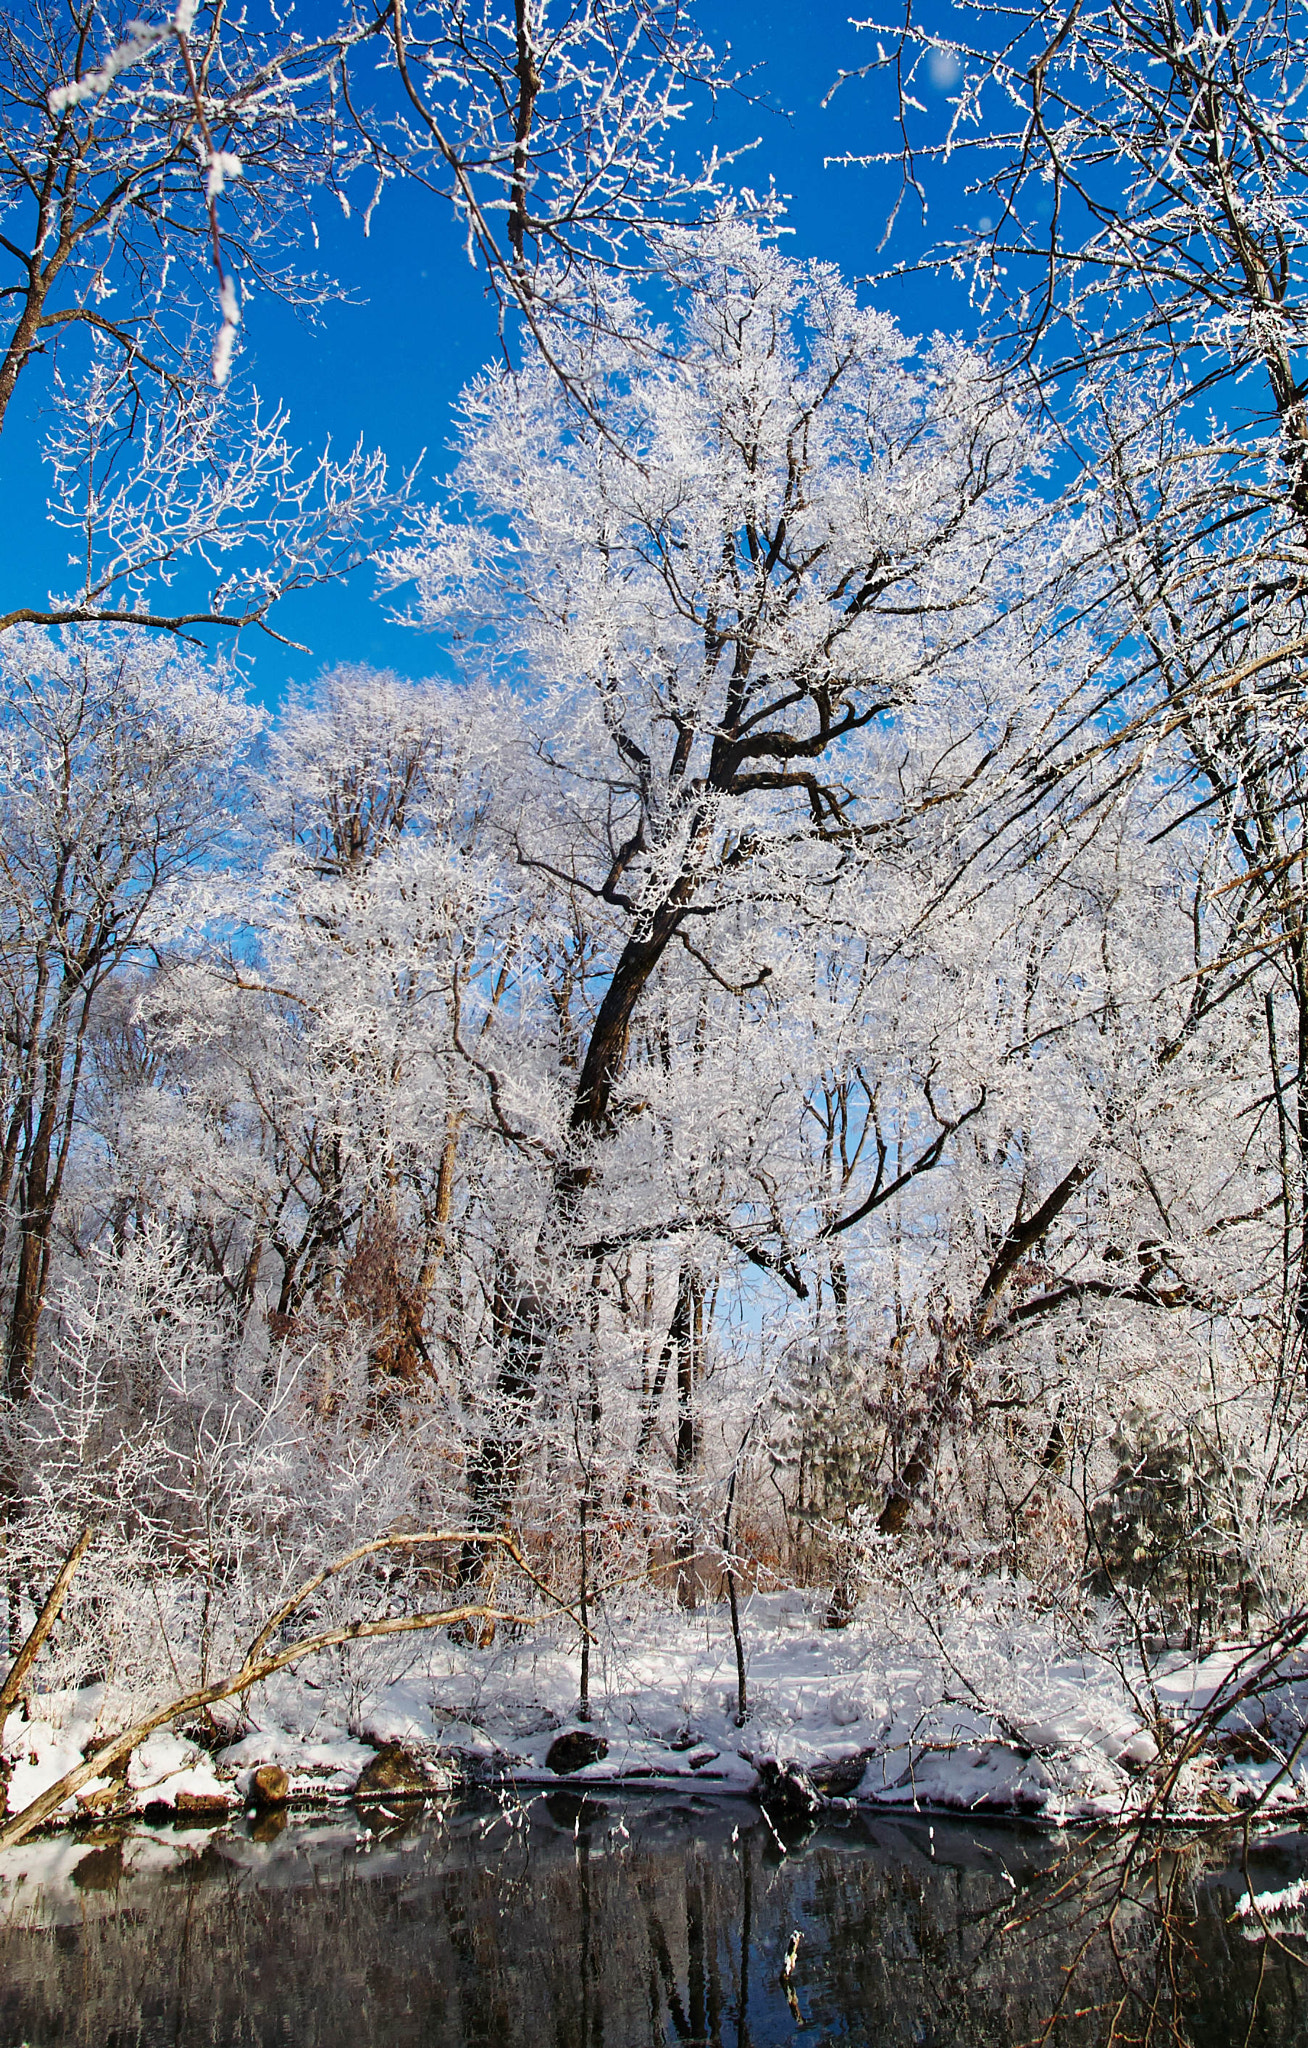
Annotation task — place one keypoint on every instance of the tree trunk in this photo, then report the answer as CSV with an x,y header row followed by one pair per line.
x,y
688,1441
606,1052
922,1458
676,1342
956,1345
493,1471
39,1182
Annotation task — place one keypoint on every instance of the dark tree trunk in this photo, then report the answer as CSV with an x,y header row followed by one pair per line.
x,y
39,1185
606,1052
1021,1238
492,1477
493,1471
921,1461
688,1438
676,1342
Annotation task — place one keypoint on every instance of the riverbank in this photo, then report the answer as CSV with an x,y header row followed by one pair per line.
x,y
989,1710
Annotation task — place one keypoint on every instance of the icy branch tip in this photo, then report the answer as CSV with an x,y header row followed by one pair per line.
x,y
222,166
226,341
141,38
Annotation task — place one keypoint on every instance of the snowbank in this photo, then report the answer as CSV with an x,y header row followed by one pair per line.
x,y
990,1713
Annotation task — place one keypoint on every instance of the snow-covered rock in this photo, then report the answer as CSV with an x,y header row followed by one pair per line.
x,y
326,1767
167,1769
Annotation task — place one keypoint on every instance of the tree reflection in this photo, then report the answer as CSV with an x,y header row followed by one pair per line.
x,y
593,1924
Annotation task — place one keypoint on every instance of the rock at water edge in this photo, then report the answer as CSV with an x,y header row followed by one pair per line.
x,y
574,1749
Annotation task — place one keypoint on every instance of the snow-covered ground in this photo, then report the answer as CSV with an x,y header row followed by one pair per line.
x,y
987,1710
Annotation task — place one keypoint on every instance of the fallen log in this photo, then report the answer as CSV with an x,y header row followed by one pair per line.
x,y
260,1663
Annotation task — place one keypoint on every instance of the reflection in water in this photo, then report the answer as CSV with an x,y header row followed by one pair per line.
x,y
584,1924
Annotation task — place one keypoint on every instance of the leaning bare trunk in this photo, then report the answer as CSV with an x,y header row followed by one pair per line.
x,y
606,1053
921,1463
957,1342
493,1474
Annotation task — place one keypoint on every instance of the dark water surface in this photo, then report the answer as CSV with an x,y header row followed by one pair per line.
x,y
607,1924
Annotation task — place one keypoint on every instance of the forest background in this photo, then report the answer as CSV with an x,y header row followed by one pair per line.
x,y
768,1045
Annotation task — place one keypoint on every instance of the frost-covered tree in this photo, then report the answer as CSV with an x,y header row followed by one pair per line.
x,y
778,532
1139,195
123,142
117,777
158,179
778,537
291,1096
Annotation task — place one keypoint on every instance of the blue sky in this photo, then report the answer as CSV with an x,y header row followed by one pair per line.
x,y
389,365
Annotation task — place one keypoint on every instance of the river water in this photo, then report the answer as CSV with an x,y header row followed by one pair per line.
x,y
606,1924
